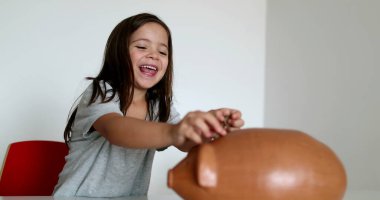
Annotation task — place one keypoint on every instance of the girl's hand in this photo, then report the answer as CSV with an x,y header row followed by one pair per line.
x,y
230,118
195,126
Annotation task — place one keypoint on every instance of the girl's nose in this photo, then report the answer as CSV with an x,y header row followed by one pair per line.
x,y
153,55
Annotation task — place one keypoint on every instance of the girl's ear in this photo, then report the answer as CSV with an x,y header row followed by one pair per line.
x,y
207,166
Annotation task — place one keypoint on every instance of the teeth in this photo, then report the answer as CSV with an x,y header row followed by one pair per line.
x,y
150,67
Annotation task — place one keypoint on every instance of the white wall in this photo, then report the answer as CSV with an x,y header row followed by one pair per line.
x,y
48,47
322,77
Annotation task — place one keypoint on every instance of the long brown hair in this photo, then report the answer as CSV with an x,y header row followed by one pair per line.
x,y
118,72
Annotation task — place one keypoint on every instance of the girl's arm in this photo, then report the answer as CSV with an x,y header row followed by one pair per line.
x,y
135,133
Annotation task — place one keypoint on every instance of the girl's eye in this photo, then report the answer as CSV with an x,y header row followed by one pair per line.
x,y
141,47
163,53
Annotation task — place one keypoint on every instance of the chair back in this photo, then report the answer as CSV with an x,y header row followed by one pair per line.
x,y
31,168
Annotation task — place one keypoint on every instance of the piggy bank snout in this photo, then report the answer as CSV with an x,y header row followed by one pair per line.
x,y
205,165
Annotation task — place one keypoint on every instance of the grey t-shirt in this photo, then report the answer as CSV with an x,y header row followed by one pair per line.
x,y
97,168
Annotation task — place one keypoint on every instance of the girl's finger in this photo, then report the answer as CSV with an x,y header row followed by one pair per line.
x,y
218,114
193,136
226,112
214,124
202,127
236,123
235,114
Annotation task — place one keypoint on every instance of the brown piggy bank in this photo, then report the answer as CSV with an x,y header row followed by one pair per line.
x,y
260,164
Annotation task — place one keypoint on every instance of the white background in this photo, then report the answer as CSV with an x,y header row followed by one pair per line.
x,y
48,47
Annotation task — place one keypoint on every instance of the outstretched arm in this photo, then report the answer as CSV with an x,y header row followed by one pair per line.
x,y
134,133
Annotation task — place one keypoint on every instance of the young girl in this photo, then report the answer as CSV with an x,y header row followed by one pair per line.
x,y
126,114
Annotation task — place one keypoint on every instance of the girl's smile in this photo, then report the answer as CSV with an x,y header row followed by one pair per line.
x,y
148,70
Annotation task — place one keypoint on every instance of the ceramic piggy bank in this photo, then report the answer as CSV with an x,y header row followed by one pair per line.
x,y
260,164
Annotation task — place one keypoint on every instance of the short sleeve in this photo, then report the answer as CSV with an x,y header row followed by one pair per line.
x,y
174,117
88,114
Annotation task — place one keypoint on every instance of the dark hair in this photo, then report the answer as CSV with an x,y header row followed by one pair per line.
x,y
118,72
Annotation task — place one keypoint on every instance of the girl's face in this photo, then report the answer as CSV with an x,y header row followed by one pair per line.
x,y
149,54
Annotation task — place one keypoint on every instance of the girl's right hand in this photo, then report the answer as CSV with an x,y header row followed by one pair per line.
x,y
195,126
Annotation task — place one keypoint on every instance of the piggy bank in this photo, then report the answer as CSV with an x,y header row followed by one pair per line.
x,y
260,164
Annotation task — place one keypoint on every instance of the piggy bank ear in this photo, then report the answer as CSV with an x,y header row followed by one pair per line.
x,y
207,173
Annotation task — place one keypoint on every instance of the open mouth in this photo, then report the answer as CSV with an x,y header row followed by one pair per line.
x,y
148,70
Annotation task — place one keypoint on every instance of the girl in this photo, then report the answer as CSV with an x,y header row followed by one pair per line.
x,y
126,114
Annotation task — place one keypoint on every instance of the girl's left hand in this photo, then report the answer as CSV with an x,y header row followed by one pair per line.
x,y
230,118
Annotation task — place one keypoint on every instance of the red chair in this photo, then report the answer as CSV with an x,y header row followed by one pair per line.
x,y
31,168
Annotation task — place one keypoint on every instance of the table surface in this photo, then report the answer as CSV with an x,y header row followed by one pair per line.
x,y
350,195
